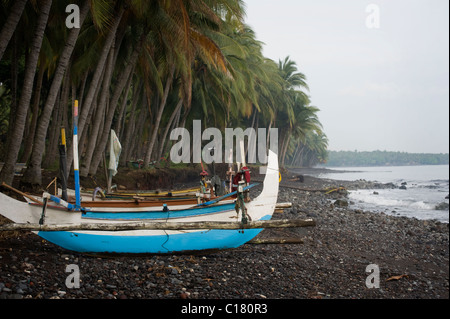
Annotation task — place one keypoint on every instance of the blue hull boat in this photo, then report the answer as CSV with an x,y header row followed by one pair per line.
x,y
150,241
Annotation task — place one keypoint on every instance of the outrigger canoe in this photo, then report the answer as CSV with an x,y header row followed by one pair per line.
x,y
149,241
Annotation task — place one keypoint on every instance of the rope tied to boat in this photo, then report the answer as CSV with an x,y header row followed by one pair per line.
x,y
240,203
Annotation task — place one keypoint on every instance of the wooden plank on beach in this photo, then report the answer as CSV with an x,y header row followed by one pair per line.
x,y
283,205
276,241
280,207
295,223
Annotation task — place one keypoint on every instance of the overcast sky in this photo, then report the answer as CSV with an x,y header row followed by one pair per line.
x,y
383,88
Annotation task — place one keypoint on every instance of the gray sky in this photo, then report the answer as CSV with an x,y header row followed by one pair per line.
x,y
383,88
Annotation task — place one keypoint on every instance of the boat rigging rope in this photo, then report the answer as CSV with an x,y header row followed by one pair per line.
x,y
166,210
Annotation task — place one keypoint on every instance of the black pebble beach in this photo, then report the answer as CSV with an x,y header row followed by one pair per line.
x,y
412,257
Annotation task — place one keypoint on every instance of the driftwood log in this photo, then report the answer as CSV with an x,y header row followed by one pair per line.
x,y
161,226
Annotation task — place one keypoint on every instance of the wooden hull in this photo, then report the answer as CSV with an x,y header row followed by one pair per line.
x,y
150,243
161,194
129,205
137,206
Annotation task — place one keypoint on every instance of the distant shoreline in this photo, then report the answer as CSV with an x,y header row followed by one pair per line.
x,y
316,171
384,158
344,169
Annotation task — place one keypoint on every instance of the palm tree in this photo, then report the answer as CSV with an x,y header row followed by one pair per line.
x,y
294,108
143,67
311,150
32,175
10,24
100,114
7,173
186,39
306,124
120,87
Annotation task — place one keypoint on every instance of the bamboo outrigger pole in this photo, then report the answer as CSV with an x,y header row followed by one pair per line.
x,y
63,165
22,193
75,157
295,223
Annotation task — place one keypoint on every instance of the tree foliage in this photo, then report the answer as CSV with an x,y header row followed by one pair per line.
x,y
141,68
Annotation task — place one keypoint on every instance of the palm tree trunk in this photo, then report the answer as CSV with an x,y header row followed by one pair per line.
x,y
35,115
122,111
301,156
285,147
86,107
87,103
131,125
7,173
136,147
51,154
175,125
294,156
14,82
99,117
185,116
159,115
120,86
169,124
32,174
268,134
53,134
10,24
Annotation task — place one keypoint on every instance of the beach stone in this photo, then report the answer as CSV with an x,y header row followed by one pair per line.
x,y
442,206
341,203
330,264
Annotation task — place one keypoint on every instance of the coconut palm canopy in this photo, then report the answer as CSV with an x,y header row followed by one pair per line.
x,y
141,68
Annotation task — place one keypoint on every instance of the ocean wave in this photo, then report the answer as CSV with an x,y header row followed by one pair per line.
x,y
381,201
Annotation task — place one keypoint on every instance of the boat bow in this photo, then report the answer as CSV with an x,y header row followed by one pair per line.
x,y
262,207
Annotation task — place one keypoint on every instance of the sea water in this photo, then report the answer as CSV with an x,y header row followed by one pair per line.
x,y
426,187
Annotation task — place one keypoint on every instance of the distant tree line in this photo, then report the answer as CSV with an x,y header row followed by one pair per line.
x,y
384,158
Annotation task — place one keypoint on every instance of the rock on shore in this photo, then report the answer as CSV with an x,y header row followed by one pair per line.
x,y
412,256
